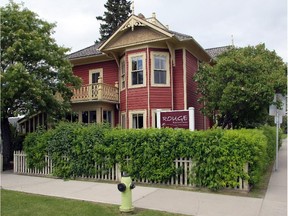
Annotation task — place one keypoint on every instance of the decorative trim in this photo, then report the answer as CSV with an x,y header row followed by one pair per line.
x,y
131,24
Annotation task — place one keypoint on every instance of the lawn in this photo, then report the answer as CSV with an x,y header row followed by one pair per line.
x,y
23,204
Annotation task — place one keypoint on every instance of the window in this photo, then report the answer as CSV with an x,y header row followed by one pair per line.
x,y
123,72
107,116
137,70
88,117
137,121
85,117
123,120
92,117
94,75
160,69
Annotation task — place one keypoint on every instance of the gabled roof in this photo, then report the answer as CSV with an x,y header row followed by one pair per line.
x,y
216,51
183,40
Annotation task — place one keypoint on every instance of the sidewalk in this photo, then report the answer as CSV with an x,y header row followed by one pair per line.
x,y
177,201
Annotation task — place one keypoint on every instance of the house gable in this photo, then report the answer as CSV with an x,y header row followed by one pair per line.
x,y
135,31
139,35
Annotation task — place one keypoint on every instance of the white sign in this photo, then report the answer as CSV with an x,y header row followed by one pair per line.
x,y
273,109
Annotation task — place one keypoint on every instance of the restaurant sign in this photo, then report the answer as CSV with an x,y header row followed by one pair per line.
x,y
176,119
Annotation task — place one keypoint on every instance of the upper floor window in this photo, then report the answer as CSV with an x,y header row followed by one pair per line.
x,y
123,72
137,70
160,69
94,75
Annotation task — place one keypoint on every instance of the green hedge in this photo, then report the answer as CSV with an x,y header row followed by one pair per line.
x,y
218,155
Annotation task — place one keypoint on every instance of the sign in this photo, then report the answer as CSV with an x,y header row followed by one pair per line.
x,y
175,119
273,109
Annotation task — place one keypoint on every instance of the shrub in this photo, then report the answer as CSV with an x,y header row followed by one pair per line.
x,y
218,155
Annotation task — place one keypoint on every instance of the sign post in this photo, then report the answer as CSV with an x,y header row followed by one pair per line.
x,y
277,113
176,119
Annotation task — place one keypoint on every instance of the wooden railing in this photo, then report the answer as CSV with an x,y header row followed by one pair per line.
x,y
96,92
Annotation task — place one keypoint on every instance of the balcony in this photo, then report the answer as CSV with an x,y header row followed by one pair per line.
x,y
96,92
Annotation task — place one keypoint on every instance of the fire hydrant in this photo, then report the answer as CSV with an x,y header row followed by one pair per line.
x,y
125,187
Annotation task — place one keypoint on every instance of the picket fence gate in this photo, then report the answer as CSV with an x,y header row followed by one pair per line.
x,y
114,173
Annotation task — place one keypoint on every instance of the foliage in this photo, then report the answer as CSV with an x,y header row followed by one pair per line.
x,y
33,68
239,88
117,12
219,156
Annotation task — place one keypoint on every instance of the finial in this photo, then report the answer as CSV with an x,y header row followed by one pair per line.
x,y
132,5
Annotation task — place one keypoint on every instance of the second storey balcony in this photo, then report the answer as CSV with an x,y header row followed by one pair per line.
x,y
96,92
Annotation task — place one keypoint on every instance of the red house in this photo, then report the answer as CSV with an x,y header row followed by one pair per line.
x,y
142,67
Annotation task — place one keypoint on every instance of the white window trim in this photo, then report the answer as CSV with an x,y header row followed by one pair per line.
x,y
120,83
97,70
165,54
143,55
123,114
112,116
132,112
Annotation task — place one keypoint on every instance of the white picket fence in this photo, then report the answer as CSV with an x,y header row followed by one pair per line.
x,y
114,173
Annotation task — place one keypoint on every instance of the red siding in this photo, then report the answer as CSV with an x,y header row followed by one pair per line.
x,y
178,86
192,96
160,97
110,71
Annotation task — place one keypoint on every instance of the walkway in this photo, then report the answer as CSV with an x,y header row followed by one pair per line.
x,y
177,201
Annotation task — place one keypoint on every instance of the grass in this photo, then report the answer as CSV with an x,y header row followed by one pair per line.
x,y
23,204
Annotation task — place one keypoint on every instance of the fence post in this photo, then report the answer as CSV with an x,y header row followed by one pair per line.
x,y
245,183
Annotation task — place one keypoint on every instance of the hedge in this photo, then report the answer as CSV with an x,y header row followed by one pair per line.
x,y
218,155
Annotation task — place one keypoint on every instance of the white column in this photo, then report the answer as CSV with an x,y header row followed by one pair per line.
x,y
158,111
191,118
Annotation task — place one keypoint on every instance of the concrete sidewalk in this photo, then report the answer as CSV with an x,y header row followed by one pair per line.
x,y
177,201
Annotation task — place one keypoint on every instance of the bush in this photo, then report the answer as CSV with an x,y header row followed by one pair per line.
x,y
218,155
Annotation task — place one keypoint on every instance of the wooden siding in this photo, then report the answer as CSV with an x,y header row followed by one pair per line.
x,y
192,96
178,85
110,71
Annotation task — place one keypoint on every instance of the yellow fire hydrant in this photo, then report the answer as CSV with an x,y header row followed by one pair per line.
x,y
125,187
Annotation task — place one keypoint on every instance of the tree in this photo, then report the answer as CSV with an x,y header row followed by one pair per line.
x,y
33,69
238,90
117,12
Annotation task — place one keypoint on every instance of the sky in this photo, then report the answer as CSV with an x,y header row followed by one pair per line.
x,y
212,23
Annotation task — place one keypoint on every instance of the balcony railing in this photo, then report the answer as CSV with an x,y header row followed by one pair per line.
x,y
96,92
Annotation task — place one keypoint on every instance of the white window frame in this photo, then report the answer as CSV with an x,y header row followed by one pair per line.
x,y
167,56
130,57
97,70
131,113
122,74
123,124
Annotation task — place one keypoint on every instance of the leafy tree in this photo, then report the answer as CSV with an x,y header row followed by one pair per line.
x,y
33,69
237,91
117,12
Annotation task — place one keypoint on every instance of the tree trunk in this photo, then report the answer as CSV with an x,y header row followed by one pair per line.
x,y
6,143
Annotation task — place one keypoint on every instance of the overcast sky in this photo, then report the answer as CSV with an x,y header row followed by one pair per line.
x,y
210,22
